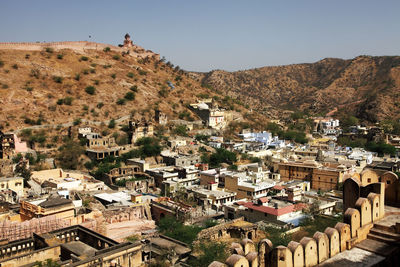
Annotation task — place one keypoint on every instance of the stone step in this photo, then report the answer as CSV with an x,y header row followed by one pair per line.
x,y
384,227
384,233
380,248
380,238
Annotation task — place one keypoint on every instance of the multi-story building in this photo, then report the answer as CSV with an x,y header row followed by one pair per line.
x,y
186,177
7,145
139,130
71,246
321,176
211,195
265,210
246,186
61,207
59,179
160,117
211,176
172,159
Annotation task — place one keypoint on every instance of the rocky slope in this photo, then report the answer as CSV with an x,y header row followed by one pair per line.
x,y
368,87
50,85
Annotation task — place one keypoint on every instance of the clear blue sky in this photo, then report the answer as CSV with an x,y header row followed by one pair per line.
x,y
215,34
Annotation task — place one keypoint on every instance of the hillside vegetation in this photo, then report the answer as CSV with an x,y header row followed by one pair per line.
x,y
57,87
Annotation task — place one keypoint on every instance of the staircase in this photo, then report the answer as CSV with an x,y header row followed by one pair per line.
x,y
383,240
383,235
147,211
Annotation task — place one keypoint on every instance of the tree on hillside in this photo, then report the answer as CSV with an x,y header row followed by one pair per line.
x,y
149,146
69,155
347,121
220,156
209,251
173,228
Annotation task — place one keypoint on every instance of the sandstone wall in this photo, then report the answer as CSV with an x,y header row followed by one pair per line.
x,y
78,46
316,249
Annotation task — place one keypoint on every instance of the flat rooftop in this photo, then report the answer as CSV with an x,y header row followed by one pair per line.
x,y
257,186
216,193
169,245
10,178
79,248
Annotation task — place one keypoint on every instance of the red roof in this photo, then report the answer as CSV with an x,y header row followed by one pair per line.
x,y
278,187
269,210
263,199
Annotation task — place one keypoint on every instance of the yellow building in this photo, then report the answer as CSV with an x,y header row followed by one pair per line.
x,y
61,207
12,187
322,177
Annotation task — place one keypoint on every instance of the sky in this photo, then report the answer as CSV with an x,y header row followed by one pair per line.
x,y
205,35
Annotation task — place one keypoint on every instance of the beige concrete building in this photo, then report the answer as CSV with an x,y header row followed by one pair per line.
x,y
322,176
246,186
71,246
139,130
68,180
13,185
61,207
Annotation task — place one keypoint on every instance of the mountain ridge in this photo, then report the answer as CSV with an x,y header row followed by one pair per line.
x,y
362,86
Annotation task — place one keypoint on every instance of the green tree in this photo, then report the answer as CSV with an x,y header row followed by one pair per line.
x,y
149,146
121,101
209,251
180,130
46,263
134,88
273,128
381,148
130,96
91,90
69,154
348,120
111,124
23,170
171,227
277,236
221,156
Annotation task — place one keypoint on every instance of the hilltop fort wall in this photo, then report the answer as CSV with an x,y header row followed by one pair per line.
x,y
78,46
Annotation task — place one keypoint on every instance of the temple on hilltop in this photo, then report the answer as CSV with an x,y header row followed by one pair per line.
x,y
127,42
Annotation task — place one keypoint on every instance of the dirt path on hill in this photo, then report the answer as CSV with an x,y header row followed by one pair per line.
x,y
67,124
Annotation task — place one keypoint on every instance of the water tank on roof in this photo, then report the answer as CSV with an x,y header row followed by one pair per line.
x,y
202,106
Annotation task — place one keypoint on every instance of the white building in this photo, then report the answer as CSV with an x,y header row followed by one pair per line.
x,y
212,195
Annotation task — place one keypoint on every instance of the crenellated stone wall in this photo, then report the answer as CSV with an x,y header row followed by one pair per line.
x,y
78,46
311,251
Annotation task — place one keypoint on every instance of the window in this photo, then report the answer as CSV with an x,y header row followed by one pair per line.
x,y
369,180
387,182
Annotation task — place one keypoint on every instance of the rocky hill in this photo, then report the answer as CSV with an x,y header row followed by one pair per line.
x,y
77,81
368,87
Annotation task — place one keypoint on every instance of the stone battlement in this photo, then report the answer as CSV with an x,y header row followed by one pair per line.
x,y
77,46
73,45
359,218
